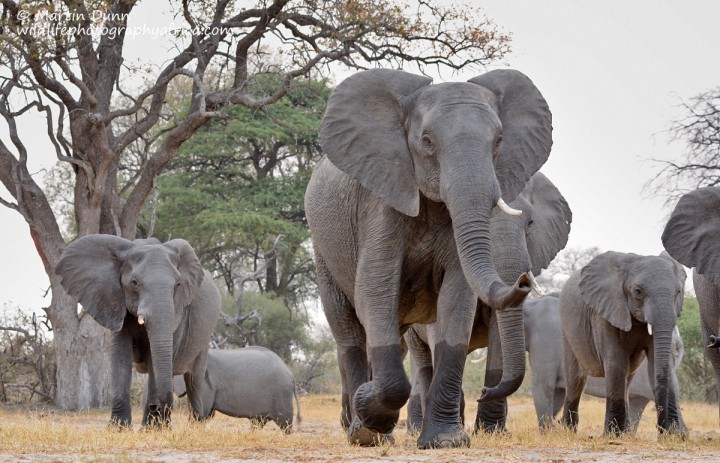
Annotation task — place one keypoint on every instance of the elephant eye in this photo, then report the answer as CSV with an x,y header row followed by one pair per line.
x,y
426,141
134,283
637,292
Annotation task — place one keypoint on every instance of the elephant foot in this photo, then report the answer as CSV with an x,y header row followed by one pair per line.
x,y
375,415
444,440
362,436
158,417
116,424
491,427
676,430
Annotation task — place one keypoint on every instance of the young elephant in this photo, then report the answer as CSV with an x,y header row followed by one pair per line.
x,y
543,338
161,306
252,382
615,309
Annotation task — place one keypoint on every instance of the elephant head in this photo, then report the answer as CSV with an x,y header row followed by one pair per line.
x,y
530,241
526,243
112,277
692,235
463,144
628,289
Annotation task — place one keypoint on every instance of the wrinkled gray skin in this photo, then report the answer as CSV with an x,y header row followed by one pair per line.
x,y
543,338
523,243
399,213
692,236
252,382
115,280
605,310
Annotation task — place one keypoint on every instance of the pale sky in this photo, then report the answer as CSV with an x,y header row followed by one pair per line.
x,y
613,73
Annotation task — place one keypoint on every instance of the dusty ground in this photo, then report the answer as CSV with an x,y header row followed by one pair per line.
x,y
32,434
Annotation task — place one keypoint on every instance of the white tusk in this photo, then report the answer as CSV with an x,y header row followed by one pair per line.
x,y
534,284
649,329
507,209
141,319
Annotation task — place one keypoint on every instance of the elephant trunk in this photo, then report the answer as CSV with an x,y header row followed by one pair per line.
x,y
512,346
662,345
160,334
470,209
470,198
511,259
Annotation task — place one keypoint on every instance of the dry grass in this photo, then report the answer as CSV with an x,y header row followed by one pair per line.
x,y
52,435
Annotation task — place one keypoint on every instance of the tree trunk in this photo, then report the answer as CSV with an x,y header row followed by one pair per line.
x,y
82,356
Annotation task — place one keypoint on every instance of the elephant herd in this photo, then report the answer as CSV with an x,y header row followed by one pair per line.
x,y
429,219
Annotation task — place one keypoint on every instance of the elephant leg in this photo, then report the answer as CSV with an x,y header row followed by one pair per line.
x,y
712,354
199,392
121,364
491,416
258,422
637,406
351,342
558,399
616,393
421,371
575,379
377,403
544,394
442,426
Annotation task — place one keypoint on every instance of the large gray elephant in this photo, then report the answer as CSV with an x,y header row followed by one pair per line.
x,y
252,382
521,243
692,236
399,213
161,306
543,338
616,310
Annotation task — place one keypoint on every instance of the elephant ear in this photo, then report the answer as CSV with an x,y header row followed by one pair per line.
x,y
89,271
602,287
363,134
692,235
526,127
191,272
681,275
551,218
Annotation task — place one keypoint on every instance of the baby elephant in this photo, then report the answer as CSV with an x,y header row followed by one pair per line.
x,y
543,338
252,382
616,310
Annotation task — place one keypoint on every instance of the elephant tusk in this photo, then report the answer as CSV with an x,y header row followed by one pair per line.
x,y
507,209
141,319
649,326
534,284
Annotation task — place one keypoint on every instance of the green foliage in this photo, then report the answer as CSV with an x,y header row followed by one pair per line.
x,y
280,329
239,184
696,375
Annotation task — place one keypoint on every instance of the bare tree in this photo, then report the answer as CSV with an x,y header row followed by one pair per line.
x,y
26,370
64,60
699,130
553,278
